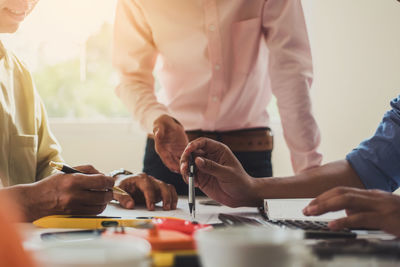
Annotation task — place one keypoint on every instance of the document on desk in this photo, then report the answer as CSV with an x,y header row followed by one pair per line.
x,y
204,213
292,209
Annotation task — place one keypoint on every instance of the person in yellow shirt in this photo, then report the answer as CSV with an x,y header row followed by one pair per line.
x,y
27,146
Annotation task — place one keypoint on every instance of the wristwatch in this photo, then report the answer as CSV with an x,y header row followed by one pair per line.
x,y
119,171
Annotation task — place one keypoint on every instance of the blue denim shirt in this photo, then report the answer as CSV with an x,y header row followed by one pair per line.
x,y
377,160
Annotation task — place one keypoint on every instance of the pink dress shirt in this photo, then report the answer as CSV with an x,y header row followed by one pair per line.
x,y
218,63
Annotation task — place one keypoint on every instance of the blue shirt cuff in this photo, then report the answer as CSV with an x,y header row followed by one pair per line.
x,y
370,175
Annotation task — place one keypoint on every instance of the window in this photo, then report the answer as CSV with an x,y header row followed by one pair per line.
x,y
67,46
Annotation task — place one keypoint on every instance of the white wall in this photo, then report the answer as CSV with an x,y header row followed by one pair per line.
x,y
356,50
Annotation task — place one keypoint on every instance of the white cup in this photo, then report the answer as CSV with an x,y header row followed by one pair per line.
x,y
251,246
125,252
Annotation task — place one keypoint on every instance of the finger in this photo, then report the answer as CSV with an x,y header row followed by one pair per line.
x,y
148,189
174,196
126,202
165,195
340,190
205,144
210,167
98,182
174,163
158,132
169,161
199,146
184,171
347,201
87,169
367,220
89,198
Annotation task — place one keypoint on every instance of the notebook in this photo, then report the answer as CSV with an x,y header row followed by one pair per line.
x,y
291,209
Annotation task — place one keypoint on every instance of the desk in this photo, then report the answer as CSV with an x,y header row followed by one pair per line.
x,y
206,214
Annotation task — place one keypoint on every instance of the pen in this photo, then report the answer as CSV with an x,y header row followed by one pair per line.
x,y
192,195
67,169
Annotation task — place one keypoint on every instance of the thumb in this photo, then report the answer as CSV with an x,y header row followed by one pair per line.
x,y
210,167
159,132
125,201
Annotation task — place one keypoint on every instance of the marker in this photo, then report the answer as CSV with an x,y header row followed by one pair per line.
x,y
67,169
191,191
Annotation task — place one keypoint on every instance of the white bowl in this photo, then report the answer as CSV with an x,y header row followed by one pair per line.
x,y
126,252
249,246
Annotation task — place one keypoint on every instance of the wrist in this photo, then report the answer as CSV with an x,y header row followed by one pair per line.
x,y
253,192
24,201
260,189
166,119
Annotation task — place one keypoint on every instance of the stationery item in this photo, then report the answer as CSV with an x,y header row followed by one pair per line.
x,y
67,169
192,194
162,233
291,209
183,226
73,235
161,242
160,239
89,222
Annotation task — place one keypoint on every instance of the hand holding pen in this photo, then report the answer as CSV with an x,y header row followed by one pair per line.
x,y
61,193
67,169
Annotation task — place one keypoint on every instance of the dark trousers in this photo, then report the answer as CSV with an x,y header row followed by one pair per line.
x,y
256,164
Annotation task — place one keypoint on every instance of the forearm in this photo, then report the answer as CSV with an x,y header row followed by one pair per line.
x,y
27,205
134,56
310,183
24,204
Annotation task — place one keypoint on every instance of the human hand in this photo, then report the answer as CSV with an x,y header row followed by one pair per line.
x,y
170,140
370,209
61,193
145,189
219,173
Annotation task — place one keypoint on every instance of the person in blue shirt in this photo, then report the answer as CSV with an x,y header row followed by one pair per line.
x,y
374,165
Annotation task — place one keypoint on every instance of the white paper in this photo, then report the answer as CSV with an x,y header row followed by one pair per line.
x,y
292,209
204,213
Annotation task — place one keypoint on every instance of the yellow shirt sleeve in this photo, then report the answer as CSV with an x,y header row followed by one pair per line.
x,y
26,142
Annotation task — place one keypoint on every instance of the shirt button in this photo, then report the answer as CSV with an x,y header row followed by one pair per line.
x,y
214,99
217,67
211,27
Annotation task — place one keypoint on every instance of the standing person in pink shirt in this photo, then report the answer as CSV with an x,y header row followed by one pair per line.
x,y
218,63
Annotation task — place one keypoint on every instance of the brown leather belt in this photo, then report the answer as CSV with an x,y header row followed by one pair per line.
x,y
259,139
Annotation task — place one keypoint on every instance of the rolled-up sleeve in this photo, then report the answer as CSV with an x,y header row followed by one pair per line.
x,y
291,71
134,55
377,159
